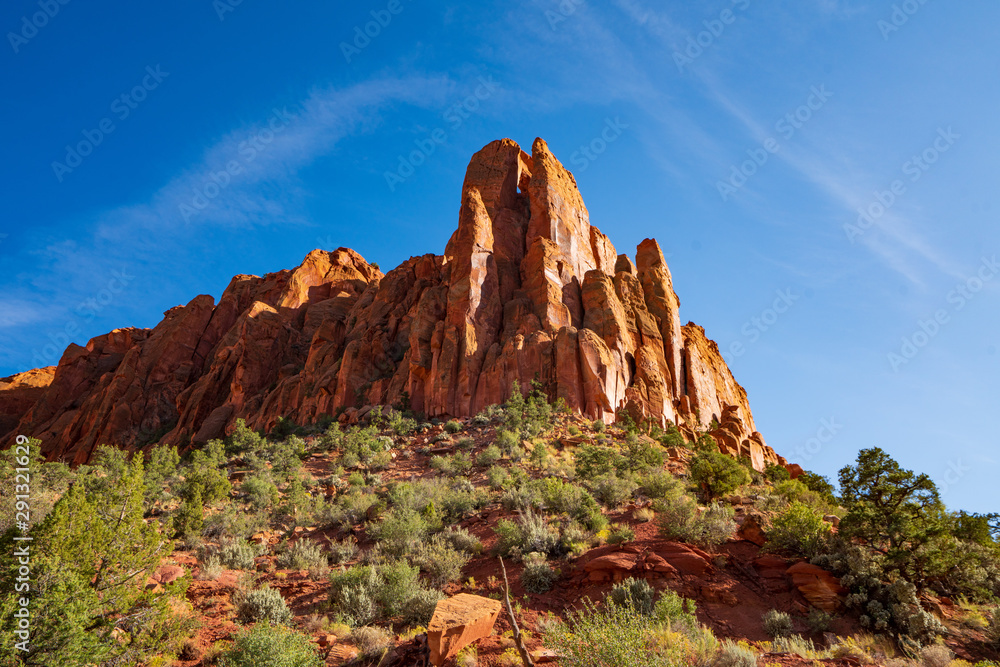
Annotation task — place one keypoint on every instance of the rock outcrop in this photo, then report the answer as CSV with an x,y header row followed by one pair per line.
x,y
18,393
527,289
457,622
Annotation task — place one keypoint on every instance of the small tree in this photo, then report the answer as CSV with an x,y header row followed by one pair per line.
x,y
717,474
890,509
91,557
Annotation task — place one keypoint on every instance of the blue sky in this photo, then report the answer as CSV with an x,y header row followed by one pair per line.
x,y
235,138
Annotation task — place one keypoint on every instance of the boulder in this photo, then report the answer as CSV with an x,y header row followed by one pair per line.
x,y
752,531
819,587
457,622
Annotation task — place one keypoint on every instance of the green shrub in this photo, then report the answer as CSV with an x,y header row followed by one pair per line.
x,y
453,426
401,531
420,607
642,454
673,438
614,635
371,642
598,425
612,491
236,555
713,527
343,551
401,425
497,477
531,533
776,473
262,604
266,645
800,529
620,534
733,654
717,474
260,492
489,456
660,485
539,455
303,554
819,621
211,568
190,516
793,491
368,593
635,594
675,514
592,461
679,612
161,470
461,539
538,576
439,560
777,623
507,441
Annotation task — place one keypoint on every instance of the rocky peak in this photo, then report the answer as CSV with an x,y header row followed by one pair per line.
x,y
527,289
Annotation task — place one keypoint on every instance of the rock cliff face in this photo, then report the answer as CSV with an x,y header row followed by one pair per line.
x,y
527,288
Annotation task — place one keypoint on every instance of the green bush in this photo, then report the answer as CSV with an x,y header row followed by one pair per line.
x,y
620,534
497,477
303,554
538,576
439,560
266,645
717,474
819,621
262,604
660,485
371,642
675,514
87,556
190,516
531,533
615,635
453,426
400,532
343,551
592,461
713,527
260,492
679,612
369,593
776,473
507,441
635,594
612,491
642,454
462,540
732,654
237,555
799,529
777,623
489,456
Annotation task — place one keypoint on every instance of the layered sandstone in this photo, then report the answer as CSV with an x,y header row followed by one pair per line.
x,y
527,289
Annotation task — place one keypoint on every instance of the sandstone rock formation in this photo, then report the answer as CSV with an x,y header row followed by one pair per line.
x,y
457,622
526,289
18,393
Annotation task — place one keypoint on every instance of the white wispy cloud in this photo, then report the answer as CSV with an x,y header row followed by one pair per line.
x,y
896,241
146,238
